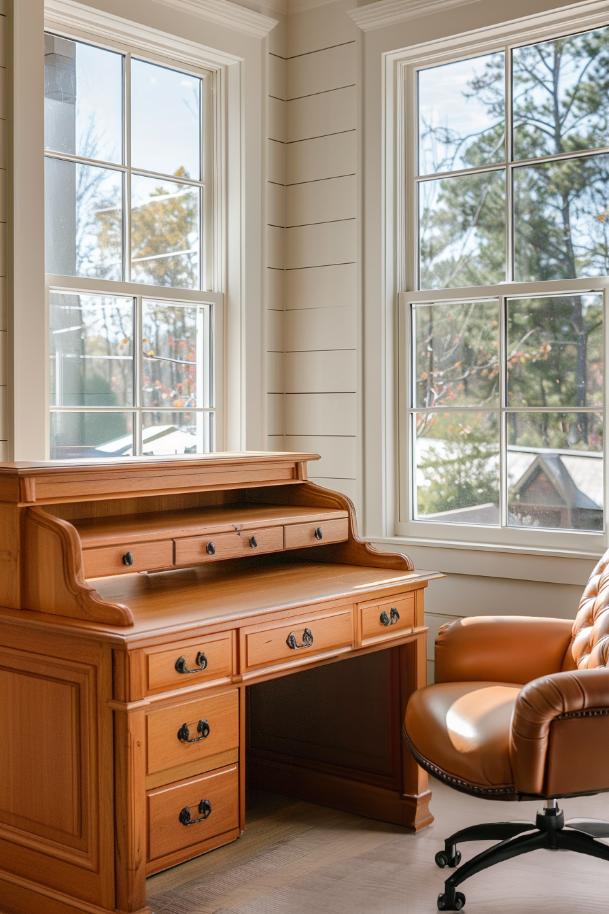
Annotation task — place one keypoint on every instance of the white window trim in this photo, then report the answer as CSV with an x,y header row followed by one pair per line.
x,y
237,62
212,262
384,516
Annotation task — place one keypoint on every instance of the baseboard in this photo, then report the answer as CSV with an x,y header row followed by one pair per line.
x,y
21,896
340,792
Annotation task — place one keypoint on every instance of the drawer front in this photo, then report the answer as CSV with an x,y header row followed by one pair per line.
x,y
190,662
316,534
125,559
233,545
192,730
389,619
298,639
190,812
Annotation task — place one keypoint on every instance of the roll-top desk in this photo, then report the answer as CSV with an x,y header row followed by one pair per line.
x,y
152,612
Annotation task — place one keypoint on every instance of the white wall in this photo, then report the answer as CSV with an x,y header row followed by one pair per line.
x,y
4,188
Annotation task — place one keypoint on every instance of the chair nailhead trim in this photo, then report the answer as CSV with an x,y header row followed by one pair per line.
x,y
592,712
506,792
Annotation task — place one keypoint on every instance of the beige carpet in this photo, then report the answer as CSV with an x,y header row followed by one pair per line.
x,y
295,858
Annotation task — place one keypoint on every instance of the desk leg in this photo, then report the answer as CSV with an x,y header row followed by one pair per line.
x,y
129,738
415,787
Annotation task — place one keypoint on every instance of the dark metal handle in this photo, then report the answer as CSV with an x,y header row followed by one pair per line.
x,y
211,548
200,664
128,558
292,640
204,810
318,533
203,729
389,618
253,542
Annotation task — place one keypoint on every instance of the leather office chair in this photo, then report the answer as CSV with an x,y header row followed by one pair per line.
x,y
519,710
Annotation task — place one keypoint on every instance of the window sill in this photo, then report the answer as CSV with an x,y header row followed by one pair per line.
x,y
495,560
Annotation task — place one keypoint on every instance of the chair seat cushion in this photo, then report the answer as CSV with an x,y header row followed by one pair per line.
x,y
462,731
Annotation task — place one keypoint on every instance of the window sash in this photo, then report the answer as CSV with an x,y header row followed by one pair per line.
x,y
426,530
210,271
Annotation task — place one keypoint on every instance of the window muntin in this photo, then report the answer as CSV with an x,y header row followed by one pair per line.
x,y
127,230
506,386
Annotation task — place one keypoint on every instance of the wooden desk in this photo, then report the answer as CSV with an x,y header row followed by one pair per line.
x,y
152,613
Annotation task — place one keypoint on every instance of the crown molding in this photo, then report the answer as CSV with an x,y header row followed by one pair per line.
x,y
223,12
383,13
233,16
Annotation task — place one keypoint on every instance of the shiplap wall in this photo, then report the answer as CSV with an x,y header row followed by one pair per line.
x,y
275,234
314,382
4,131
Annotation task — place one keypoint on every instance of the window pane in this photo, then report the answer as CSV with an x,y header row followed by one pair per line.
x,y
555,470
91,350
457,467
83,214
83,100
560,95
457,354
176,433
555,351
176,355
561,219
165,234
462,231
462,114
79,435
165,120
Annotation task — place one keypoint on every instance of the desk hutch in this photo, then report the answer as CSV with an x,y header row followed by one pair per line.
x,y
152,613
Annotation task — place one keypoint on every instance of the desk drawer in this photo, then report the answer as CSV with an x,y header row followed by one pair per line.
x,y
389,619
233,545
127,558
191,812
296,640
188,663
192,730
316,534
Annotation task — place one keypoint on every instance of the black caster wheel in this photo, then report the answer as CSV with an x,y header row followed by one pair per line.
x,y
453,901
444,859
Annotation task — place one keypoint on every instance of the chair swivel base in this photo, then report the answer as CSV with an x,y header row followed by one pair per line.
x,y
550,832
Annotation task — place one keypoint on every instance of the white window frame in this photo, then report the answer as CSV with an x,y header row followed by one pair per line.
x,y
401,221
210,226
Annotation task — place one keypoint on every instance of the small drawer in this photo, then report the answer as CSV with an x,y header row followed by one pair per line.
x,y
191,812
298,639
192,730
388,619
188,663
316,534
233,545
127,558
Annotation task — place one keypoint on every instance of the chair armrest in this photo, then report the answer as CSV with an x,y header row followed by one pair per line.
x,y
502,648
560,733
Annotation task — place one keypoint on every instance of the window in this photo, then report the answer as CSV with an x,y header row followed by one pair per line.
x,y
129,225
503,330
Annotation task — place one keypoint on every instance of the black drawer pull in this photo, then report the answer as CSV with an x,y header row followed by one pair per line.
x,y
389,618
211,548
318,533
204,810
128,559
200,664
203,729
292,640
253,542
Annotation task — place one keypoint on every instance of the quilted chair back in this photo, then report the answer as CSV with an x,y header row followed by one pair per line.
x,y
590,642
